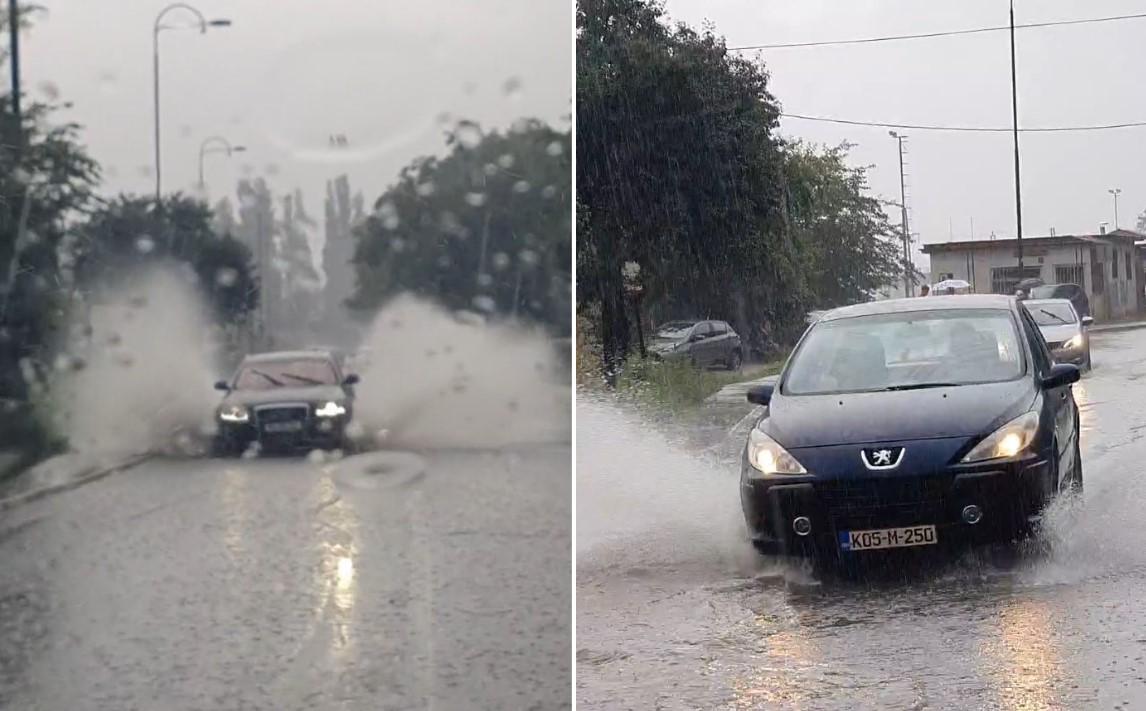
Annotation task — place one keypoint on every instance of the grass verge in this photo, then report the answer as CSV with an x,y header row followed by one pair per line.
x,y
677,385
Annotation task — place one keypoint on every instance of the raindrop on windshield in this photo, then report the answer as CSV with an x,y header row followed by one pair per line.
x,y
549,192
144,245
500,260
426,189
506,161
468,134
512,88
490,169
484,280
521,186
528,257
475,199
226,277
555,148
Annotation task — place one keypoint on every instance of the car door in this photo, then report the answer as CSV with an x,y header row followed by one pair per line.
x,y
699,348
1058,401
718,343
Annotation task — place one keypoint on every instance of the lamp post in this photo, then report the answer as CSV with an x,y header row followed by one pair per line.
x,y
204,23
223,146
1115,192
908,275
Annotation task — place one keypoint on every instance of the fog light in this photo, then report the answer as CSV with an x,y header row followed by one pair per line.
x,y
972,514
802,525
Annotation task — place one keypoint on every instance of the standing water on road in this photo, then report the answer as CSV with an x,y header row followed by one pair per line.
x,y
675,609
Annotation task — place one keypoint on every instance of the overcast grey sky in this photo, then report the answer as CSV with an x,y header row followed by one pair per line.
x,y
290,73
1083,74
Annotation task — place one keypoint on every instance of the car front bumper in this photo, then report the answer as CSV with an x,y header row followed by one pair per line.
x,y
1009,495
315,433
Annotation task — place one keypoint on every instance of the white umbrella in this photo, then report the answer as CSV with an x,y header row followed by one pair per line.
x,y
956,284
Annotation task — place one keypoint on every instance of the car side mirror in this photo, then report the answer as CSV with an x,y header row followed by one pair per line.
x,y
1061,374
1087,320
760,394
222,385
351,379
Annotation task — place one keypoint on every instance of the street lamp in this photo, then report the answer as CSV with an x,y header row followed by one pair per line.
x,y
223,146
908,275
204,23
1115,192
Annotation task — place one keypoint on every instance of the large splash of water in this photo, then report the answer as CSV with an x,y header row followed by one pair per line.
x,y
435,380
644,501
141,376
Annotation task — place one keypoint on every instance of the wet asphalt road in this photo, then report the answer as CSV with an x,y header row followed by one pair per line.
x,y
436,582
674,611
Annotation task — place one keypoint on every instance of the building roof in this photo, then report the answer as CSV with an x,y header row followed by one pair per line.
x,y
1115,235
922,303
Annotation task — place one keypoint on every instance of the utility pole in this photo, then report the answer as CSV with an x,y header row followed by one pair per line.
x,y
908,275
1115,192
1015,133
14,52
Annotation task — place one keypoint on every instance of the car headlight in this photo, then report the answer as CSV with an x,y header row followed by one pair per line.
x,y
1008,440
330,409
234,413
1073,343
768,457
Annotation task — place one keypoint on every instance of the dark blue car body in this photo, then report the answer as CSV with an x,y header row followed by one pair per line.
x,y
928,432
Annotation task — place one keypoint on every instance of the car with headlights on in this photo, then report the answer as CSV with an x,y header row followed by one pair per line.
x,y
1064,329
284,401
910,423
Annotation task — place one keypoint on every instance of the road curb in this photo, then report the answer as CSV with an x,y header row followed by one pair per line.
x,y
1112,328
90,475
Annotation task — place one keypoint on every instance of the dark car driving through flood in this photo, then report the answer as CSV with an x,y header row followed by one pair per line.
x,y
911,423
285,401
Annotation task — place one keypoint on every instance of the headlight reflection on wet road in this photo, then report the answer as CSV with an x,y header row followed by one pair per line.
x,y
1024,659
335,525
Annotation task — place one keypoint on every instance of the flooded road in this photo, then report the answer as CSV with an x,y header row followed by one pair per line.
x,y
385,581
676,611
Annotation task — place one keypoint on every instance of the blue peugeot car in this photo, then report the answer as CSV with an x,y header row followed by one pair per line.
x,y
911,423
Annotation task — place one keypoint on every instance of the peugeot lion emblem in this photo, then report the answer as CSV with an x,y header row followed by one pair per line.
x,y
882,457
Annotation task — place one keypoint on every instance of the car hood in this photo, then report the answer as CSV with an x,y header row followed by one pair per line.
x,y
318,393
858,418
1059,333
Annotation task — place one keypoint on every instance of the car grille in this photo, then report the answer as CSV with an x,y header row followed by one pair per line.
x,y
280,413
887,497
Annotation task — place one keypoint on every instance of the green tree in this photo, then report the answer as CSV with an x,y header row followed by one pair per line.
x,y
343,211
843,232
487,228
128,232
301,285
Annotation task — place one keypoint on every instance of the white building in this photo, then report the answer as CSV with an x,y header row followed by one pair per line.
x,y
1107,266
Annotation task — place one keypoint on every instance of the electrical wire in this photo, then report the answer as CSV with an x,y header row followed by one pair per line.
x,y
974,129
929,35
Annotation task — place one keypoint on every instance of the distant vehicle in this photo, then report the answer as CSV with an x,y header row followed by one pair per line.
x,y
928,423
950,286
1064,330
702,343
1074,292
285,401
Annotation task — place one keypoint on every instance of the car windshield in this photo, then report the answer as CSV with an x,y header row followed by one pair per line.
x,y
675,329
285,374
903,351
1052,314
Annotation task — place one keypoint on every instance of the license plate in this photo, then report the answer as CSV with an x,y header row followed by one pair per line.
x,y
282,427
888,538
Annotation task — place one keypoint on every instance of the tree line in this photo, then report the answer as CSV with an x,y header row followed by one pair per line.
x,y
681,172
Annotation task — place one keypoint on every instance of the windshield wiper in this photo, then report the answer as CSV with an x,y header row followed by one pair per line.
x,y
272,379
303,378
922,386
1055,316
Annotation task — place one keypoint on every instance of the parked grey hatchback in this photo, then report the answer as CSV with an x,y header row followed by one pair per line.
x,y
702,343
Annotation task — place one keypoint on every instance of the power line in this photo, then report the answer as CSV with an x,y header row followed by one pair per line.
x,y
974,129
948,33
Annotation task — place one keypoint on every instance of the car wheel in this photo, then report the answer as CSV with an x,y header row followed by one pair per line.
x,y
1074,482
735,360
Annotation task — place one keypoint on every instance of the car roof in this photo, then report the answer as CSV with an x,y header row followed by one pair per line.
x,y
922,303
275,356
